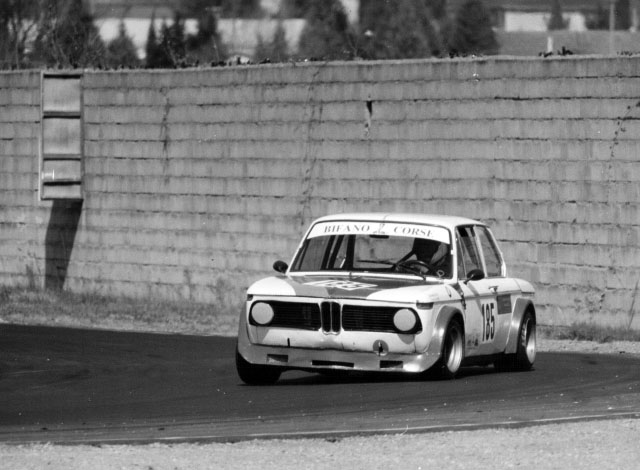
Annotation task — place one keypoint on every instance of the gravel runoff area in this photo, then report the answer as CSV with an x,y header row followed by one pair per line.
x,y
611,444
597,445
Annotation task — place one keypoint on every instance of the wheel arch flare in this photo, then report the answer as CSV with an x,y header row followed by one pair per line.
x,y
521,306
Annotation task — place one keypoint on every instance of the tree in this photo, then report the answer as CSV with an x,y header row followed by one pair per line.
x,y
471,31
275,50
294,8
438,8
206,45
121,52
623,15
600,19
225,8
66,36
175,40
18,19
556,21
152,48
170,51
400,30
327,34
432,16
242,9
164,58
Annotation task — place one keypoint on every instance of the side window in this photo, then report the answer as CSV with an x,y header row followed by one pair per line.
x,y
468,251
492,259
312,254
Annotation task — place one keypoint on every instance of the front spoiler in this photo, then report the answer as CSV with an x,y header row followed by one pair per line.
x,y
331,359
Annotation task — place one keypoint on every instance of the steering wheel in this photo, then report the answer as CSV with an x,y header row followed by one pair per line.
x,y
416,265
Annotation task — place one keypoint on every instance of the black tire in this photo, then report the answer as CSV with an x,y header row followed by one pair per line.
x,y
525,354
452,351
252,374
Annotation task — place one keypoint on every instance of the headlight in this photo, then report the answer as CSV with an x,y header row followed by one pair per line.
x,y
405,320
261,314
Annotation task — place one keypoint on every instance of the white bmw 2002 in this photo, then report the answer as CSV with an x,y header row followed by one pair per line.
x,y
388,293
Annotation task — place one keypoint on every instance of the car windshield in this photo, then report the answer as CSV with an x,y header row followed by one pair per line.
x,y
376,248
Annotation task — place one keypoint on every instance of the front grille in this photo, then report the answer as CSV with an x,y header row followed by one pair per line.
x,y
304,316
331,317
359,318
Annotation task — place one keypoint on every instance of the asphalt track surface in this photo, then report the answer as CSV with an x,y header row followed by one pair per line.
x,y
74,386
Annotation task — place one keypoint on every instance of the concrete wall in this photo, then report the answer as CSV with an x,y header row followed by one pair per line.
x,y
197,180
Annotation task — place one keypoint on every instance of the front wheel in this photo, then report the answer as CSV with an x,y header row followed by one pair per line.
x,y
252,374
452,350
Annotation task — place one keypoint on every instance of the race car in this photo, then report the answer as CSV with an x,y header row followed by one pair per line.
x,y
384,292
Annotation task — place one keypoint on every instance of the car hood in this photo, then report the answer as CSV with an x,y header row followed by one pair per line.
x,y
396,289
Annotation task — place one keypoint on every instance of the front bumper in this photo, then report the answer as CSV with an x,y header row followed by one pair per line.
x,y
378,360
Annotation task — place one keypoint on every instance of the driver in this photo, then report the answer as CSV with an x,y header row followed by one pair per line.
x,y
432,252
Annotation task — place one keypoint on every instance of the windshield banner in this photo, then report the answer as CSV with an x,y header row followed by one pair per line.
x,y
430,232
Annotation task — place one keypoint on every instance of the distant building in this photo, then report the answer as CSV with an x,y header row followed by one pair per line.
x,y
534,15
239,34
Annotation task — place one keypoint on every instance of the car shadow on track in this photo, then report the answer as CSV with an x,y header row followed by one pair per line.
x,y
351,377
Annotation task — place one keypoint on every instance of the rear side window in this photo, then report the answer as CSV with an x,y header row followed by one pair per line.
x,y
492,258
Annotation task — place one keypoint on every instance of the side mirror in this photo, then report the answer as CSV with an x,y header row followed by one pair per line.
x,y
280,266
475,275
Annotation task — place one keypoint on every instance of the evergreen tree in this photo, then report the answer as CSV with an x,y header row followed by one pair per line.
x,y
206,45
294,8
170,50
438,8
274,50
327,34
598,20
163,57
373,20
471,31
152,48
556,21
226,8
623,15
279,46
176,41
121,51
398,30
67,36
432,18
242,9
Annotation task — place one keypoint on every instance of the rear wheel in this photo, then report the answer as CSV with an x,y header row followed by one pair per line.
x,y
252,374
525,354
452,350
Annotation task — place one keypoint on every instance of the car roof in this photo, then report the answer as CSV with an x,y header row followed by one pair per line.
x,y
447,221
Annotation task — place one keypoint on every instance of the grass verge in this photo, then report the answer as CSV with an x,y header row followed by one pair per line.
x,y
596,333
61,308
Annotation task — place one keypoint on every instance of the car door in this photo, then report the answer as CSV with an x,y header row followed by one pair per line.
x,y
503,287
480,295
